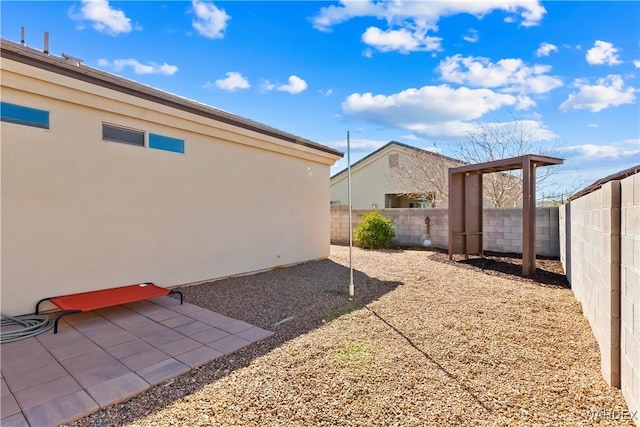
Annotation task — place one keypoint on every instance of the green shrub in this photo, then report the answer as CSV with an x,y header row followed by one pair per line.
x,y
375,231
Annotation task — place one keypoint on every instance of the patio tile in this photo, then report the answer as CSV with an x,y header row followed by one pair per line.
x,y
143,359
117,389
120,351
16,344
34,377
210,317
16,420
87,325
234,326
148,330
42,393
254,334
8,405
210,335
25,358
161,371
164,337
177,321
115,311
166,301
228,345
162,314
65,336
186,308
118,336
192,328
77,348
131,321
143,307
76,318
106,328
4,389
93,368
62,410
199,356
180,346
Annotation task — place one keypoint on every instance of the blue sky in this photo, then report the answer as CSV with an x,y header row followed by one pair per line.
x,y
422,73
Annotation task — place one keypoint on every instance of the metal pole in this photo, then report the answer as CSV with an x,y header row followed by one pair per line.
x,y
351,289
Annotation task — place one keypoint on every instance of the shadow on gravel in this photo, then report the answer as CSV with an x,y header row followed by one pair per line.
x,y
549,271
288,301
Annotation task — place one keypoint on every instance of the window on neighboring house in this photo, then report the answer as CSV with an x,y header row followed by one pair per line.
x,y
166,143
334,202
393,160
122,134
13,113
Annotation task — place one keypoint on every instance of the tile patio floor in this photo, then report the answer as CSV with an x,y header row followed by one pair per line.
x,y
107,356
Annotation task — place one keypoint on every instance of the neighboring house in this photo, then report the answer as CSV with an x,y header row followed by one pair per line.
x,y
395,176
107,182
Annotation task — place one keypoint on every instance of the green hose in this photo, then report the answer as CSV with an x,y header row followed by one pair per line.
x,y
32,325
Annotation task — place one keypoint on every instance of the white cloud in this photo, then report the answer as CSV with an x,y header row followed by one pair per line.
x,y
410,21
105,19
266,85
471,36
636,63
424,13
608,92
363,145
401,40
138,67
413,109
545,49
233,81
512,75
295,85
209,21
603,53
593,125
626,148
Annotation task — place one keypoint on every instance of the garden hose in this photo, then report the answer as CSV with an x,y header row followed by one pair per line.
x,y
32,325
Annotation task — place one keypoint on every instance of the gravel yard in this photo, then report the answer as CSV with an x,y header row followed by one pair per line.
x,y
424,342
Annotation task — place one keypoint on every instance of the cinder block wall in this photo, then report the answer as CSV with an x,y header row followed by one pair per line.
x,y
600,251
595,270
630,291
409,223
502,231
502,228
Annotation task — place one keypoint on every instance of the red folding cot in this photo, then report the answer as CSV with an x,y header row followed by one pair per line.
x,y
94,300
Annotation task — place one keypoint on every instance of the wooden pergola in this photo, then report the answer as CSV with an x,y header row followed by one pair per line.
x,y
465,205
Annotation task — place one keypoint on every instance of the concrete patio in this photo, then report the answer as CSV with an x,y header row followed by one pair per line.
x,y
100,358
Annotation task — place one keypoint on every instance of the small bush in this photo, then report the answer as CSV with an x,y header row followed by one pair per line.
x,y
375,231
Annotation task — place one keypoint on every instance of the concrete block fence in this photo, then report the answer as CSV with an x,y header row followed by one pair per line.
x,y
600,251
502,228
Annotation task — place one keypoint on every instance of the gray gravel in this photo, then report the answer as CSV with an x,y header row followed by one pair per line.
x,y
422,343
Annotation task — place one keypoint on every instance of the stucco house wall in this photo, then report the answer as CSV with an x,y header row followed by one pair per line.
x,y
79,213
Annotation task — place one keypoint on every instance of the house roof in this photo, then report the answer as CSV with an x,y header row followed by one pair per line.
x,y
397,144
74,69
599,183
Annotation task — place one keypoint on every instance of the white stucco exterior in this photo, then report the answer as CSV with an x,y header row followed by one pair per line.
x,y
79,213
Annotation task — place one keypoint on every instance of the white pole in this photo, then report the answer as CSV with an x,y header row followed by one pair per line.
x,y
351,290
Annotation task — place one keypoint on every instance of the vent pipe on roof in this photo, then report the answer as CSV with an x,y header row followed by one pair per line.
x,y
22,36
46,42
